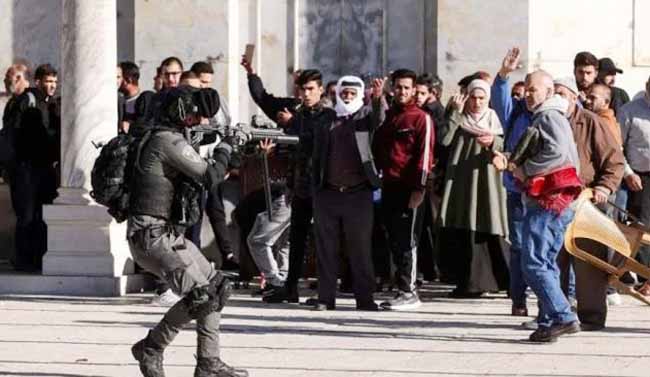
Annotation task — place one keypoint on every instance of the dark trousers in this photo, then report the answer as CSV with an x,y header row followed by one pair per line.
x,y
427,246
301,215
344,217
591,284
31,187
216,213
639,205
180,263
404,226
380,249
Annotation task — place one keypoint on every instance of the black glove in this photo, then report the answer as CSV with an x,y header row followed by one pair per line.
x,y
212,177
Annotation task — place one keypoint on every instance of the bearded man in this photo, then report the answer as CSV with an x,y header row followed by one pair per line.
x,y
344,177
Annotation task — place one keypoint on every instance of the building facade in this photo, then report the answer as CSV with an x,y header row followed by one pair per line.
x,y
86,38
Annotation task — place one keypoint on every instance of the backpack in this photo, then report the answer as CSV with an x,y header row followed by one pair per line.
x,y
110,176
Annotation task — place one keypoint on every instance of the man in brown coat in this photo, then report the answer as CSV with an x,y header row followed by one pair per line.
x,y
601,168
598,100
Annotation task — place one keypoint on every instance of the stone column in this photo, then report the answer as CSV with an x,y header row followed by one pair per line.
x,y
83,239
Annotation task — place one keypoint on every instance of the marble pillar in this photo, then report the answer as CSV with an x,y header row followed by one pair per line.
x,y
83,239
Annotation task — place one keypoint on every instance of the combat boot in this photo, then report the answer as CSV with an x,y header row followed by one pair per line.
x,y
150,358
214,367
274,294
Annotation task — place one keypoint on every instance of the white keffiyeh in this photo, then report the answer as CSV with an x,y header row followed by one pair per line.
x,y
349,82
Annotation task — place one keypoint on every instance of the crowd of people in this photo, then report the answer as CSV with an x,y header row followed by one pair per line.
x,y
479,188
394,186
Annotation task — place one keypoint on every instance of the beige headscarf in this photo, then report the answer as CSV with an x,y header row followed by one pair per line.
x,y
487,122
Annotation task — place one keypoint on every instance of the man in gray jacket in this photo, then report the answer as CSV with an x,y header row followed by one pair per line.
x,y
546,161
634,118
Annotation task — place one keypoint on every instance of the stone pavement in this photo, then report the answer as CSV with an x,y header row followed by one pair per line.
x,y
70,337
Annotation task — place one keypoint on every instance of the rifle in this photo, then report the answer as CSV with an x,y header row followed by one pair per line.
x,y
250,133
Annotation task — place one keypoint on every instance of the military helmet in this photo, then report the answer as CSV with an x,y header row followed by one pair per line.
x,y
184,100
177,104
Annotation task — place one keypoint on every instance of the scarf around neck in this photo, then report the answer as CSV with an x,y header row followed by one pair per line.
x,y
349,82
485,123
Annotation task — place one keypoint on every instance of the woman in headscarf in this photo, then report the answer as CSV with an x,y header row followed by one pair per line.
x,y
473,215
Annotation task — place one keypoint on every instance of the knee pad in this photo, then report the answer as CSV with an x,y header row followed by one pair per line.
x,y
204,300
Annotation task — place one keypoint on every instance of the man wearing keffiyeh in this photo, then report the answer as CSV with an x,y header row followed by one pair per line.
x,y
344,177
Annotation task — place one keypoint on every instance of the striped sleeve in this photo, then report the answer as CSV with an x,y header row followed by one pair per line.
x,y
425,143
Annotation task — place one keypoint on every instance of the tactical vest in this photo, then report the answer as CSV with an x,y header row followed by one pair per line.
x,y
151,194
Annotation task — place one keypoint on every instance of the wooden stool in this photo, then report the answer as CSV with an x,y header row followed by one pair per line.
x,y
590,223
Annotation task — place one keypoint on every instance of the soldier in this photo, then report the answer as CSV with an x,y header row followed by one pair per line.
x,y
165,184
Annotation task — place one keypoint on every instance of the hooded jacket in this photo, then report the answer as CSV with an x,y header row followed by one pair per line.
x,y
403,147
550,158
557,148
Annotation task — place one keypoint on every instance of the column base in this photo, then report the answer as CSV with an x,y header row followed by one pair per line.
x,y
25,284
83,241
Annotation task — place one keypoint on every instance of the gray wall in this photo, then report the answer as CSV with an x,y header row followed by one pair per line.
x,y
360,37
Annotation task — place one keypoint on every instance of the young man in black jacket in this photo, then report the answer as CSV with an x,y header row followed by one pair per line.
x,y
428,90
296,116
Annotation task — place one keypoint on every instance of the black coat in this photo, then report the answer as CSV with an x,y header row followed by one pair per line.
x,y
299,177
270,104
364,125
35,138
619,98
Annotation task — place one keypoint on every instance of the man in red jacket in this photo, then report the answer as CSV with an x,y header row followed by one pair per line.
x,y
403,148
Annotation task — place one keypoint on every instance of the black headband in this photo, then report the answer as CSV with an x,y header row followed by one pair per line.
x,y
351,83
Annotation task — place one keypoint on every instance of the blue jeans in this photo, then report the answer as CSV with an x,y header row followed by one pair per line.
x,y
515,219
542,239
621,202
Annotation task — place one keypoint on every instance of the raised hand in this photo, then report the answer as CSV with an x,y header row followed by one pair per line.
x,y
378,87
284,117
458,101
247,65
510,62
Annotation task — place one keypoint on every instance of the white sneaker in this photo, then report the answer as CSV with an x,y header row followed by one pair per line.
x,y
614,299
402,301
167,298
530,325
